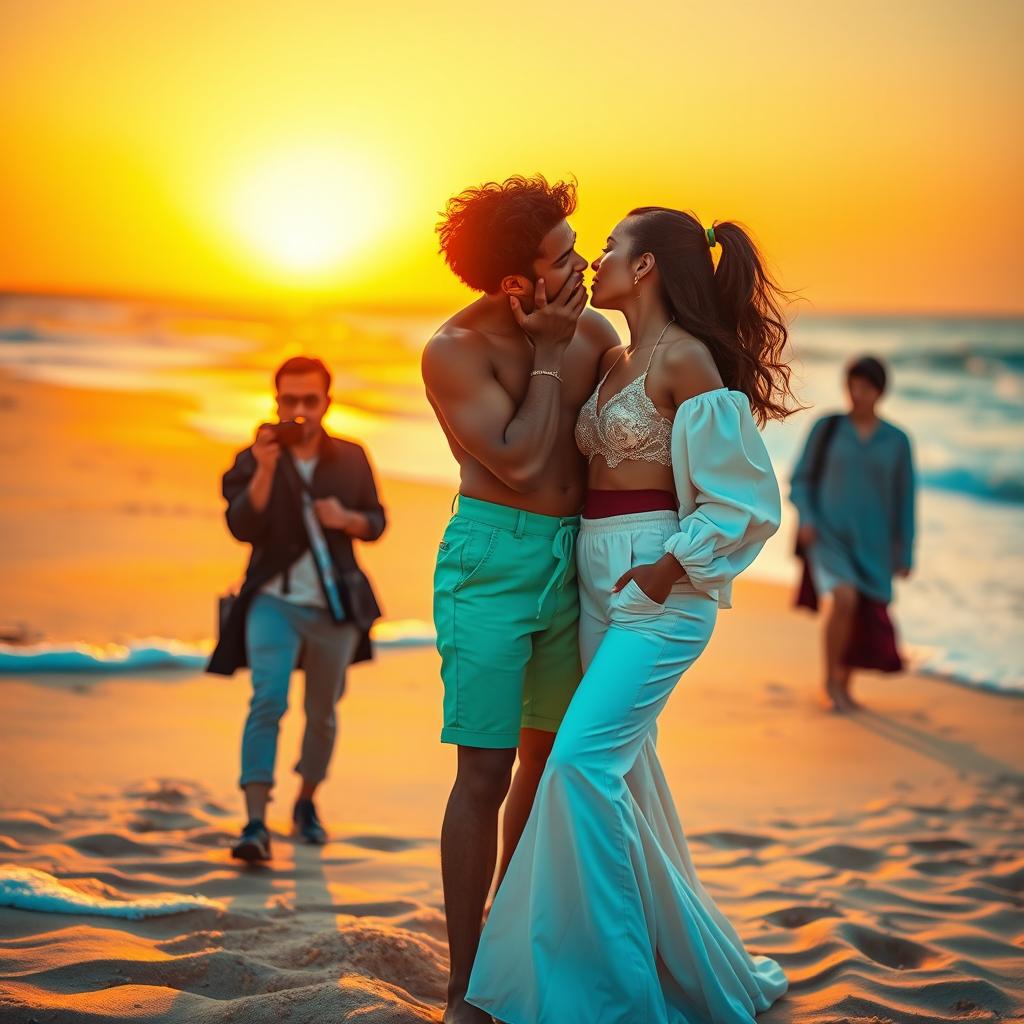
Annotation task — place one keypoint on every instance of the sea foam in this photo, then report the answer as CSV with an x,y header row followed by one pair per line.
x,y
155,654
31,889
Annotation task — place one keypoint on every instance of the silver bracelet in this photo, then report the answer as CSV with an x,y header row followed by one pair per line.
x,y
546,373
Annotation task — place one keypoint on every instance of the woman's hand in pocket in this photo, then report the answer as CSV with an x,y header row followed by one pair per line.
x,y
654,579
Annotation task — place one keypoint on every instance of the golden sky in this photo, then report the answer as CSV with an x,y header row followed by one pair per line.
x,y
261,150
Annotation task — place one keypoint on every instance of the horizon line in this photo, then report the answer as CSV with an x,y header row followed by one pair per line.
x,y
235,305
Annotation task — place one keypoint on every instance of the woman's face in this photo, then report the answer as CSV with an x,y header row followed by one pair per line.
x,y
613,286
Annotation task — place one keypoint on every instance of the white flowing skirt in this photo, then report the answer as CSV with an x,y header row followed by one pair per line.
x,y
601,918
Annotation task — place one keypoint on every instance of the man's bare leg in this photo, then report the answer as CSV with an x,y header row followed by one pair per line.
x,y
469,849
843,681
838,626
534,747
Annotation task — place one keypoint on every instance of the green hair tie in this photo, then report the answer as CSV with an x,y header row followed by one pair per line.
x,y
711,237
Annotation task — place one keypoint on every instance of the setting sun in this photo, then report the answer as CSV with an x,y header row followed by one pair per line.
x,y
307,213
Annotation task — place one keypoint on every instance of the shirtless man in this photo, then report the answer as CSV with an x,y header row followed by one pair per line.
x,y
506,377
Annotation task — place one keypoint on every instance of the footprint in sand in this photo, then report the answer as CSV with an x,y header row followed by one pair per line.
x,y
382,908
733,840
1011,881
110,844
384,844
888,950
26,824
939,868
155,820
797,917
850,858
938,845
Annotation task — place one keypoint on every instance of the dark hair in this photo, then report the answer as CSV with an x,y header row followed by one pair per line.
x,y
495,229
870,369
735,310
303,364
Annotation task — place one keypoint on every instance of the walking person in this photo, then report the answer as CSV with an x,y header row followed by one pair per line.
x,y
601,918
300,497
854,490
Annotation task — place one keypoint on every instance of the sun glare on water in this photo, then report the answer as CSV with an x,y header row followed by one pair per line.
x,y
308,214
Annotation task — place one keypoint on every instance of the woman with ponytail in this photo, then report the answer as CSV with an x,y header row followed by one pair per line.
x,y
600,918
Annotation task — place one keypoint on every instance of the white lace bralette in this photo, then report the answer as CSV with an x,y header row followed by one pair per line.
x,y
628,426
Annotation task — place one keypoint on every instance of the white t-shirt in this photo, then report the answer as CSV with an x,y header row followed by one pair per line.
x,y
303,581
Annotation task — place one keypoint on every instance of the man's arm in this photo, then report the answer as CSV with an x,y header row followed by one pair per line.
x,y
366,520
514,443
266,451
245,522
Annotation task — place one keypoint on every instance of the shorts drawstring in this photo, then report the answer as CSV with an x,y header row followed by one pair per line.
x,y
563,547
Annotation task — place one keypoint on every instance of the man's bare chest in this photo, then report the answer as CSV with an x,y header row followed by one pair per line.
x,y
578,373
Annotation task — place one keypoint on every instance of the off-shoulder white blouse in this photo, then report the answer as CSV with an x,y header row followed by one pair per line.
x,y
729,502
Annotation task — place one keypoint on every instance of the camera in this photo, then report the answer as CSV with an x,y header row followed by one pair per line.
x,y
289,432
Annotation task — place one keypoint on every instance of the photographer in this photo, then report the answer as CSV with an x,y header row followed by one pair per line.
x,y
299,497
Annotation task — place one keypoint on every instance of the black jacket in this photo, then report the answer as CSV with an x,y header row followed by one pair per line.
x,y
278,537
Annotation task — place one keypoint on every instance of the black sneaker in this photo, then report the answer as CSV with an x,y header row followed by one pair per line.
x,y
307,824
254,846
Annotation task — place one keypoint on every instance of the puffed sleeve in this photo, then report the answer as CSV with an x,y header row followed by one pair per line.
x,y
729,500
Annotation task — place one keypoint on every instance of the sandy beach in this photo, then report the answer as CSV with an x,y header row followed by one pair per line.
x,y
878,857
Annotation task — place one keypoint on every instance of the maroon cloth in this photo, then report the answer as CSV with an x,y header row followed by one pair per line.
x,y
602,504
873,643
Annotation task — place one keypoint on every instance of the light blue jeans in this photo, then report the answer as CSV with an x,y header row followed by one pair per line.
x,y
280,636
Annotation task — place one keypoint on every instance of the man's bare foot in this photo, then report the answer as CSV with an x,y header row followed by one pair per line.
x,y
849,704
458,1011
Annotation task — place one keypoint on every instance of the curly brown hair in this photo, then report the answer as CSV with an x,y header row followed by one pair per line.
x,y
495,229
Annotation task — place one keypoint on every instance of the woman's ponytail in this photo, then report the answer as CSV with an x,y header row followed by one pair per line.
x,y
736,309
751,306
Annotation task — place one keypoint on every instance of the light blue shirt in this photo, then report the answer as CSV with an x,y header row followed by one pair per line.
x,y
863,508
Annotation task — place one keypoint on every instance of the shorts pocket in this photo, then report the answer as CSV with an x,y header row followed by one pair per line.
x,y
475,544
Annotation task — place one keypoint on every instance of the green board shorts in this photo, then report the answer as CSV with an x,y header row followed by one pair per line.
x,y
506,609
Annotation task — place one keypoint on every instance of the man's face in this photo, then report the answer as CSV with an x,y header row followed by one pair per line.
x,y
864,395
303,394
557,260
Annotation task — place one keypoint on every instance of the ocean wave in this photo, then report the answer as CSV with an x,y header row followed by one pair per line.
x,y
74,659
22,334
951,667
987,484
162,655
31,889
974,362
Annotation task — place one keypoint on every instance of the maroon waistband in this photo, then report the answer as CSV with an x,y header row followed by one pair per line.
x,y
602,504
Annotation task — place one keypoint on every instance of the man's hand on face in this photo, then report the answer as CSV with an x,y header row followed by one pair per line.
x,y
552,323
265,448
332,513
